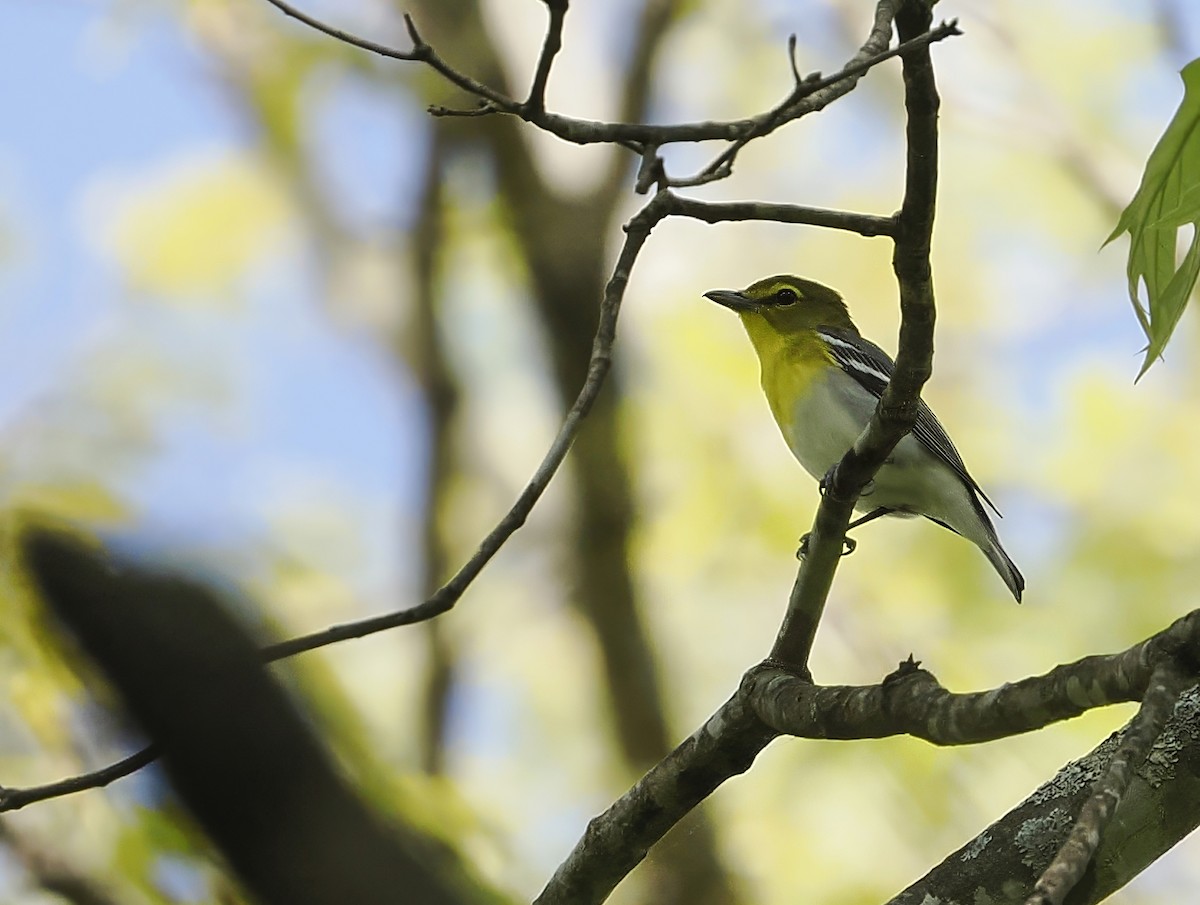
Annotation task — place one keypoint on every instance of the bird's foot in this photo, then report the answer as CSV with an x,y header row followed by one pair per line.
x,y
830,476
827,479
849,545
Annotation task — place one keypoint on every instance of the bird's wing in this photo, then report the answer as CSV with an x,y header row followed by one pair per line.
x,y
872,368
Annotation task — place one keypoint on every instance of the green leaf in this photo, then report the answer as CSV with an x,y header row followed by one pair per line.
x,y
1167,200
1186,211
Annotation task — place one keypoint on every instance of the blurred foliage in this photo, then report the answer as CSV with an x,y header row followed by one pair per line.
x,y
228,207
1167,200
219,387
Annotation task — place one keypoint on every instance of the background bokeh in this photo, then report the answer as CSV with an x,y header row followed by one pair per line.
x,y
228,341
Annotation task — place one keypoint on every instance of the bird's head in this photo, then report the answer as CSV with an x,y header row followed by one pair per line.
x,y
785,305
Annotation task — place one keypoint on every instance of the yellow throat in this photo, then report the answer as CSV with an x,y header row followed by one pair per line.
x,y
789,362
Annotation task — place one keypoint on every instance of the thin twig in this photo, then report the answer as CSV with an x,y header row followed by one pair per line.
x,y
421,52
535,104
813,92
816,96
797,79
733,211
346,37
12,799
1167,684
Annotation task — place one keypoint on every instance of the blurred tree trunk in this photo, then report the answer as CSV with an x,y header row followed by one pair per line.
x,y
429,362
564,243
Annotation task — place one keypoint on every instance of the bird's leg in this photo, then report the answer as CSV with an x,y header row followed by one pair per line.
x,y
802,551
870,517
851,543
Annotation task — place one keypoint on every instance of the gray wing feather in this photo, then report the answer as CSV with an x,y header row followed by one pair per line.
x,y
872,368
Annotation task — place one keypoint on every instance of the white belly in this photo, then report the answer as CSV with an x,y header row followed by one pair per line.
x,y
913,480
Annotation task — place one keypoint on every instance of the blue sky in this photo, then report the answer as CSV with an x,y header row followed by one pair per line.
x,y
321,409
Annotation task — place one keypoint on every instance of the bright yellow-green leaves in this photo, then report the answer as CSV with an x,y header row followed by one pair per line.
x,y
229,206
1167,200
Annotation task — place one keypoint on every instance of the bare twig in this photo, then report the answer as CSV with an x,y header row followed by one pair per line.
x,y
897,409
815,95
1168,683
797,79
733,211
12,799
814,92
535,104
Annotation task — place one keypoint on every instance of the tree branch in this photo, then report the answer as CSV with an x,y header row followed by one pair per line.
x,y
772,701
617,840
1001,864
897,409
1065,871
535,104
814,93
911,701
811,96
732,211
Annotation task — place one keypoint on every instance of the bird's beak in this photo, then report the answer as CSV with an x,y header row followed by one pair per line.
x,y
733,300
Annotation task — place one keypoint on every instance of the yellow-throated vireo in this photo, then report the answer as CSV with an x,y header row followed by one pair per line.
x,y
822,380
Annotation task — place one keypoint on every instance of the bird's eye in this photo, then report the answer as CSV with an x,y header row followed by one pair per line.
x,y
786,296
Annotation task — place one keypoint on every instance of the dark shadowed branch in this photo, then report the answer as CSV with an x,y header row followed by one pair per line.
x,y
245,762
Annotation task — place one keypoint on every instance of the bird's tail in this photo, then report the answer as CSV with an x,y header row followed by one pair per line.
x,y
982,533
1004,565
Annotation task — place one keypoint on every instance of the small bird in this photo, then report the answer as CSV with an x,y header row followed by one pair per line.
x,y
822,380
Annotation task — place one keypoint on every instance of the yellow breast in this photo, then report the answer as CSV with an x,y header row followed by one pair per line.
x,y
789,366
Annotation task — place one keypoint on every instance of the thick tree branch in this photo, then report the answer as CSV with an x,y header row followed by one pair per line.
x,y
912,702
909,703
1066,870
772,701
1002,864
616,841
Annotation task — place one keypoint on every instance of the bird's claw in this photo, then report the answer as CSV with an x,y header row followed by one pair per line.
x,y
827,479
830,476
849,545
